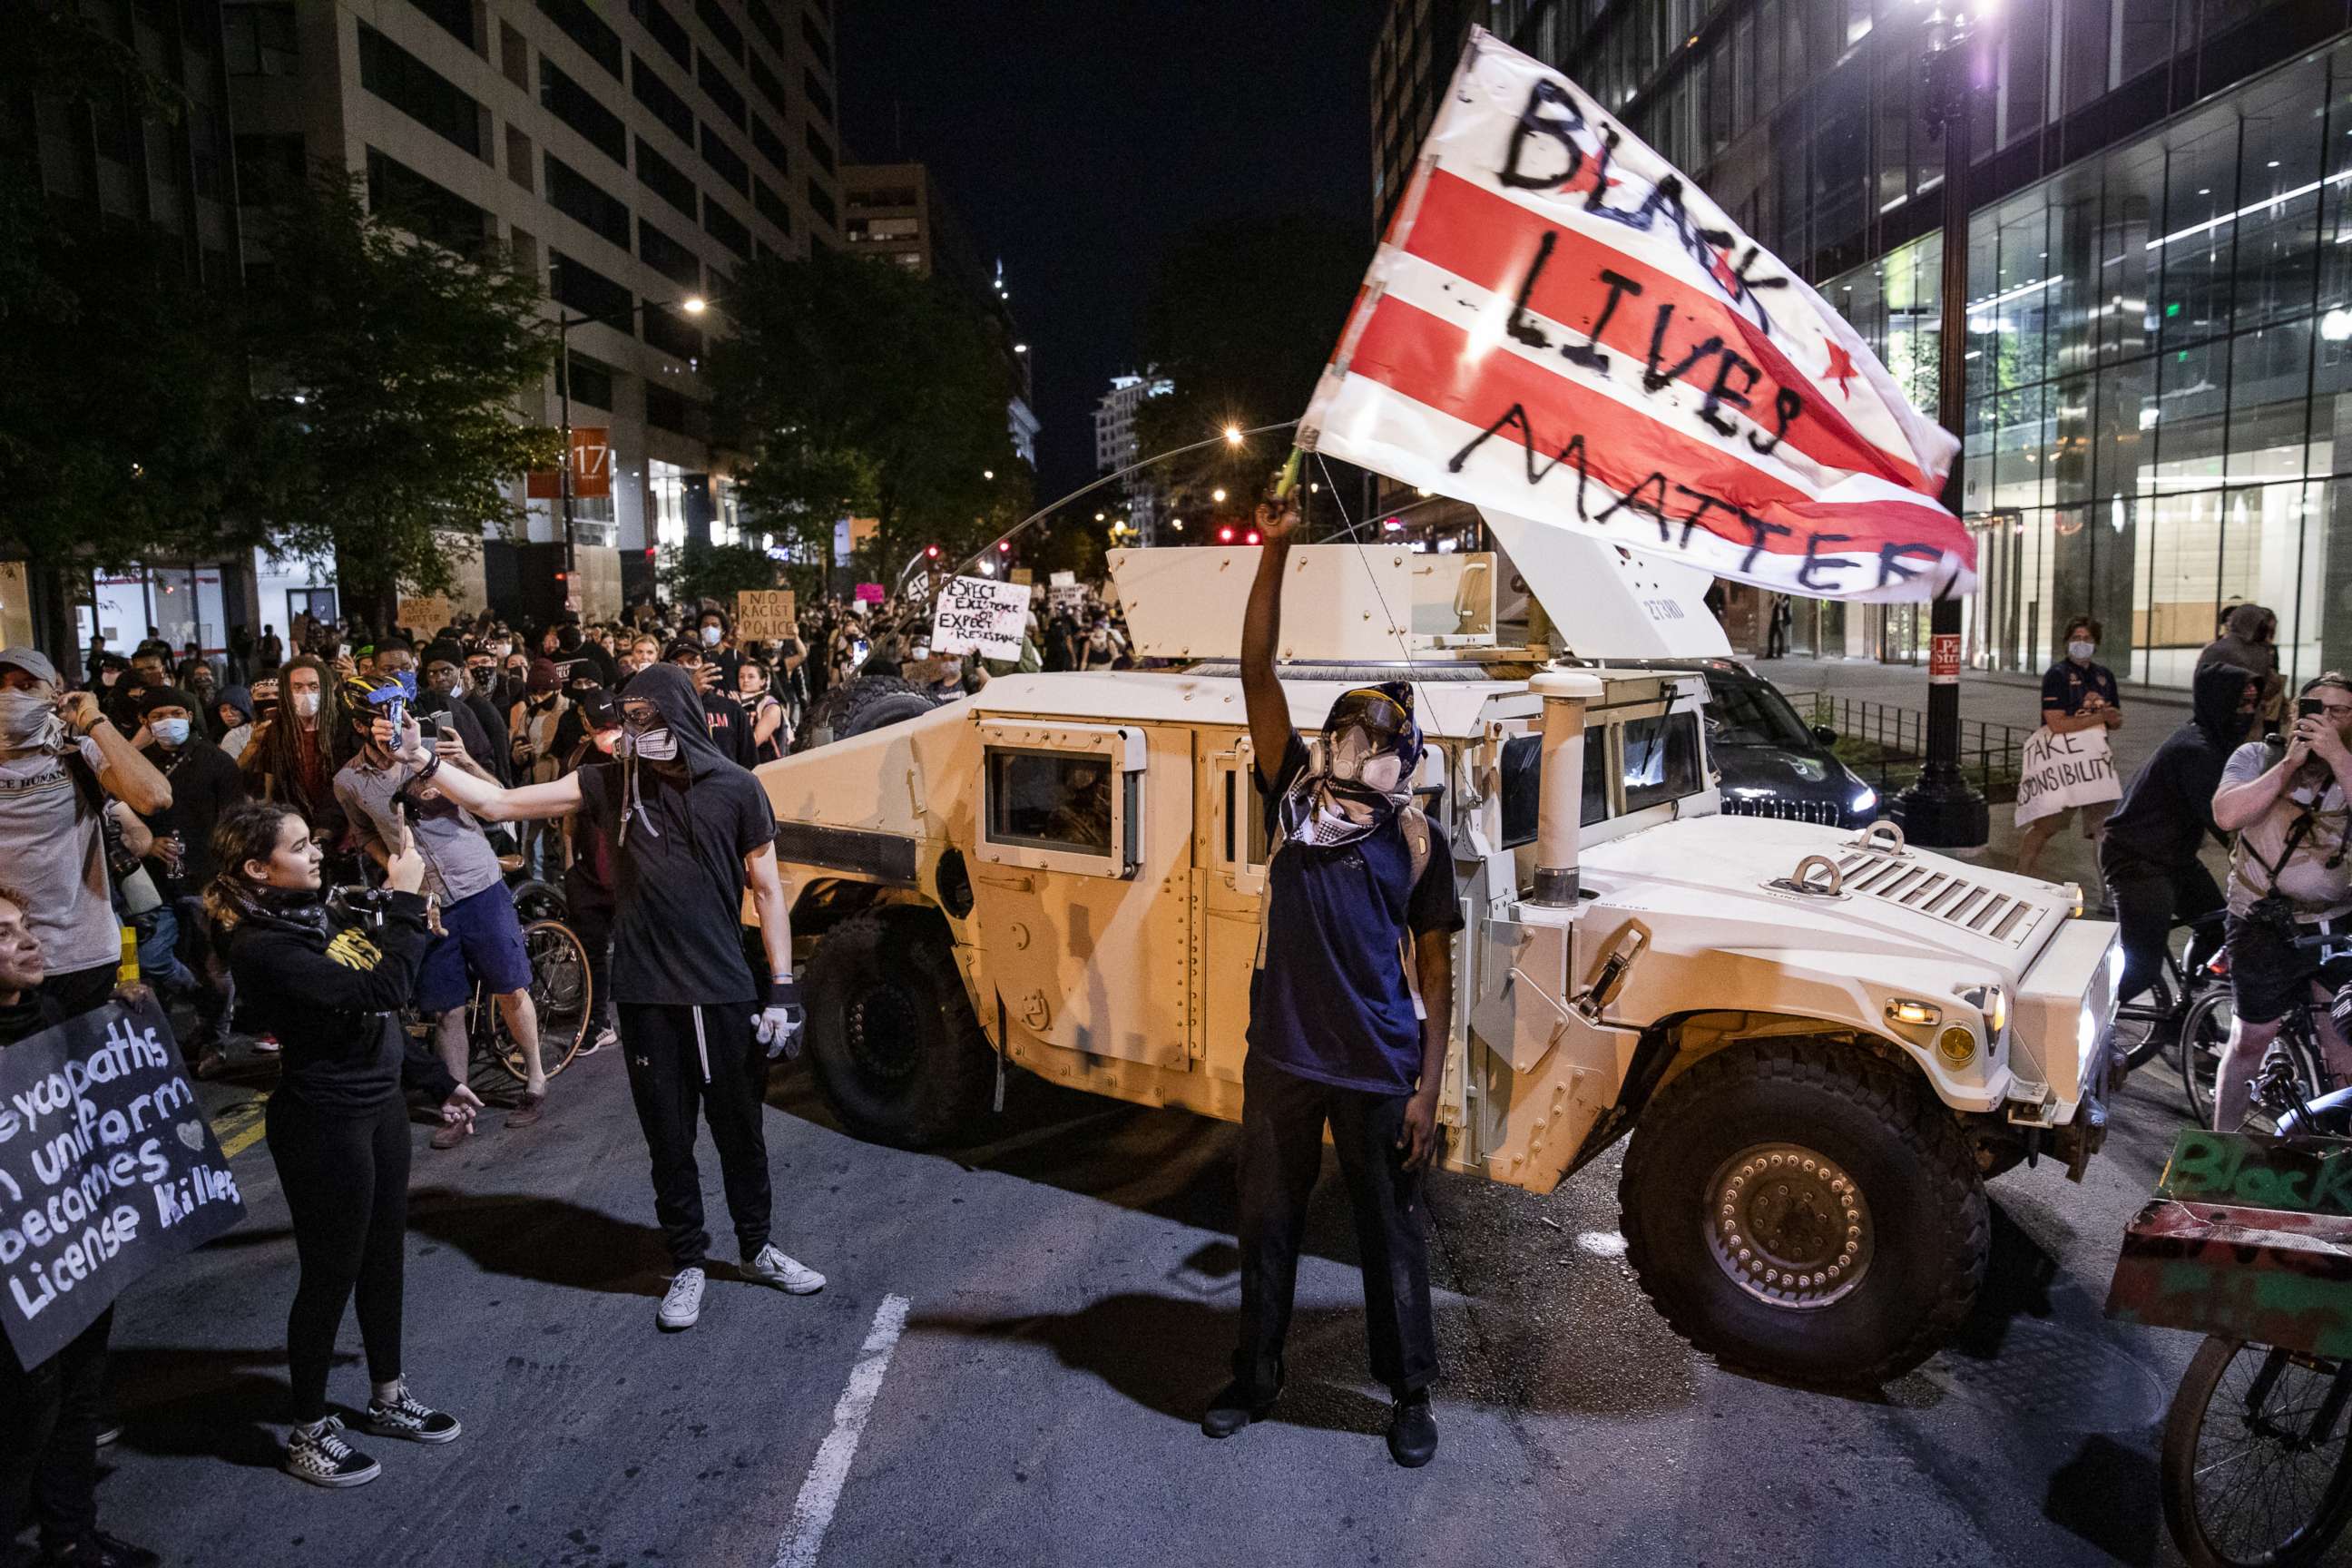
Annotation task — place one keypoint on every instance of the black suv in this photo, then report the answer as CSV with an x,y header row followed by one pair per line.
x,y
1771,763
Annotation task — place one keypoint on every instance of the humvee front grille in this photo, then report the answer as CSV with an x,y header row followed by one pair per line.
x,y
1820,812
1946,896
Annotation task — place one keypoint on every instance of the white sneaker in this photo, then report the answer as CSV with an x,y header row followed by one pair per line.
x,y
682,1308
772,1267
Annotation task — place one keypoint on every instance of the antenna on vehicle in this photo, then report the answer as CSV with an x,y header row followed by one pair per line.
x,y
1404,645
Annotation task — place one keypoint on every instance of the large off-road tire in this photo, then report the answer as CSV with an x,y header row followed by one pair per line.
x,y
897,1052
1803,1209
864,704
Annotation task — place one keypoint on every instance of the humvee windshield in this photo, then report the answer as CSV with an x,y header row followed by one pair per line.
x,y
1050,800
1661,763
1661,760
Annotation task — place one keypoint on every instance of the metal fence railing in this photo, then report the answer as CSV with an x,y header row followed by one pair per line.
x,y
1886,742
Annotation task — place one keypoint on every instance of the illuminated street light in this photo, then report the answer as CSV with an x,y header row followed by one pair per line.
x,y
1102,517
1021,348
1233,435
988,473
1218,494
694,304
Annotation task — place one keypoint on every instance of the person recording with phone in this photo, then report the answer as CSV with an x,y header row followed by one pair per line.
x,y
2285,798
330,989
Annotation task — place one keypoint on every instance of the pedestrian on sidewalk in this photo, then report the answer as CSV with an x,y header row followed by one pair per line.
x,y
1347,1024
338,1124
2078,694
2249,640
690,831
51,1415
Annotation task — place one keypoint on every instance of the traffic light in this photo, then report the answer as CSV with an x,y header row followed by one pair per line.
x,y
1252,538
1004,547
931,552
1225,535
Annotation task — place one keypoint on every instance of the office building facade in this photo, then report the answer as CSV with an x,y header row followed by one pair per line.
x,y
2159,300
630,155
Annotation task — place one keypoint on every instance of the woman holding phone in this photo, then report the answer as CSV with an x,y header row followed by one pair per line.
x,y
331,991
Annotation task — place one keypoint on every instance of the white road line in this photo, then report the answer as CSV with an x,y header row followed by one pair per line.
x,y
812,1510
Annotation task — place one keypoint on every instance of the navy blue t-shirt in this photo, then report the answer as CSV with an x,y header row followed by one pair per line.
x,y
2065,686
1330,1001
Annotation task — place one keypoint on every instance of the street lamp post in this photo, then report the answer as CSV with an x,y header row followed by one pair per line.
x,y
1941,809
693,305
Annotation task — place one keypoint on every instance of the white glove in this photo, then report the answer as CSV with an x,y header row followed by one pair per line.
x,y
782,1020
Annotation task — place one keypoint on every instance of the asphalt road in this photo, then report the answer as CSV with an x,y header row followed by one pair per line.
x,y
1066,1291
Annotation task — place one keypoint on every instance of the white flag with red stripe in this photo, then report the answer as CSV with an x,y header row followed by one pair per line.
x,y
1559,325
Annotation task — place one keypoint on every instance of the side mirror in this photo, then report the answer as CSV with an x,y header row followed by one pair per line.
x,y
1825,735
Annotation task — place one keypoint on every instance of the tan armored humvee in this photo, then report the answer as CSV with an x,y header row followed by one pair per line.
x,y
1822,1044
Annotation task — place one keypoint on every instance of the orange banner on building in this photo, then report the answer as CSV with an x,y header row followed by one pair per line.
x,y
592,468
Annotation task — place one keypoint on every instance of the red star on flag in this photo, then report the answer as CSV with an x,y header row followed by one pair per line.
x,y
1841,370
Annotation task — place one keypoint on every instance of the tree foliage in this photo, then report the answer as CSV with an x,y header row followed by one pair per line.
x,y
1242,315
386,372
716,572
855,388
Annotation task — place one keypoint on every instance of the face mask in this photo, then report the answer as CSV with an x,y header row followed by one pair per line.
x,y
1354,760
710,636
29,720
656,745
501,649
2081,651
170,731
306,704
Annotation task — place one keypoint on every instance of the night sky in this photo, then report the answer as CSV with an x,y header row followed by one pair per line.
x,y
1073,140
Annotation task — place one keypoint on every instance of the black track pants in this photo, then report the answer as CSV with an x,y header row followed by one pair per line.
x,y
2146,899
346,1180
48,1436
1281,1154
681,1057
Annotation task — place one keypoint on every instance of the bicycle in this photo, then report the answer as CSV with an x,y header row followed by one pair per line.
x,y
2254,1470
2294,1068
2149,1023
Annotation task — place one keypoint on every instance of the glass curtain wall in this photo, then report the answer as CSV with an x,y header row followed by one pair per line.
x,y
2159,358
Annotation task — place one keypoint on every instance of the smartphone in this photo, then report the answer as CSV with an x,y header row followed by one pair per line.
x,y
443,730
2309,708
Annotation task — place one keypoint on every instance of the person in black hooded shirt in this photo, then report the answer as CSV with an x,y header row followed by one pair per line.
x,y
690,830
2148,857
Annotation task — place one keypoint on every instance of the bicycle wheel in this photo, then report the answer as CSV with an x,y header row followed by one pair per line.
x,y
2144,1024
562,990
2204,1032
2253,1466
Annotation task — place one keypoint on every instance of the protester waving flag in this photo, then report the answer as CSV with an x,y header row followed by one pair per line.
x,y
1561,325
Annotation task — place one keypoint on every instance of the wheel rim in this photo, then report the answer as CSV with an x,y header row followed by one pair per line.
x,y
1788,1225
2268,1452
560,994
883,1030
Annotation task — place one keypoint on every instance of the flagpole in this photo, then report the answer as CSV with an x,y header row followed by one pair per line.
x,y
1941,810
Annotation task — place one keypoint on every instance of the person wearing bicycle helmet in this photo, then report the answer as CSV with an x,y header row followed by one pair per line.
x,y
2288,880
331,989
481,934
1347,1026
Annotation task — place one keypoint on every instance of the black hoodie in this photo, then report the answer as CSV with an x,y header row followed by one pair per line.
x,y
2168,808
680,832
333,996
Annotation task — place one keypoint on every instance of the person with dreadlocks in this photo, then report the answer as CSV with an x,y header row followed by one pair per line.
x,y
1348,1021
690,830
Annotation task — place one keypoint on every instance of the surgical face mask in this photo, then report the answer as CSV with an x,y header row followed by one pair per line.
x,y
170,731
710,636
306,704
2081,651
29,720
501,649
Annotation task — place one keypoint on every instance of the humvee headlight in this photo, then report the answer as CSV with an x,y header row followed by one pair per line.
x,y
1918,1014
1957,1045
2073,891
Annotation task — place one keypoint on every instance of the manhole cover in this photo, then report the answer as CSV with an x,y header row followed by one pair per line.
x,y
2066,1379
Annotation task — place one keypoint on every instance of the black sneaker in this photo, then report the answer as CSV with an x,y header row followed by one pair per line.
x,y
1413,1431
320,1456
1233,1408
96,1549
409,1417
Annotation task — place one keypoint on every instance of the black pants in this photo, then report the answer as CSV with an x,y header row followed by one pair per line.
x,y
50,1419
81,991
680,1058
2146,899
346,1181
592,922
1281,1154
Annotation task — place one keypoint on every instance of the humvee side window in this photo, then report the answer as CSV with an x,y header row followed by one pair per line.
x,y
1245,813
1661,760
1523,785
1051,800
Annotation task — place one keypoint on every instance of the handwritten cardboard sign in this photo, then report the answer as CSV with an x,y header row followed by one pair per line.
x,y
425,613
765,616
979,614
108,1170
2063,771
